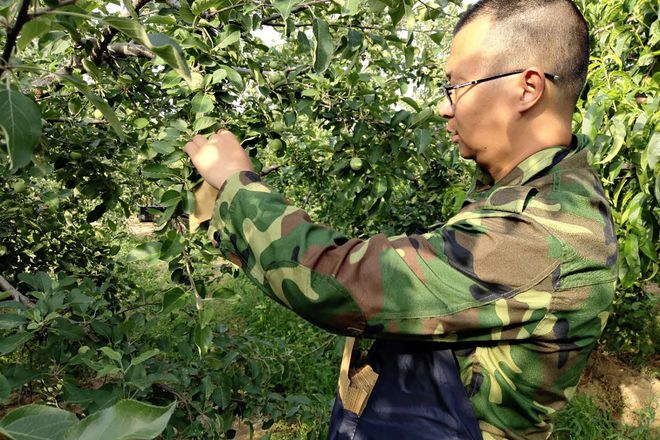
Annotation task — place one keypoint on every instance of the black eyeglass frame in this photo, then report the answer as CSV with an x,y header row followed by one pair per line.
x,y
449,88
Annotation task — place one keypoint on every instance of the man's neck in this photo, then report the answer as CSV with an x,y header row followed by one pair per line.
x,y
527,143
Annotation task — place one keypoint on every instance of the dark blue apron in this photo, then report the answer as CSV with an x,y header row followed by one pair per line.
x,y
418,395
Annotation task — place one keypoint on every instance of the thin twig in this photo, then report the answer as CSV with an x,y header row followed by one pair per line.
x,y
269,169
15,294
604,28
129,50
294,10
355,26
199,302
434,8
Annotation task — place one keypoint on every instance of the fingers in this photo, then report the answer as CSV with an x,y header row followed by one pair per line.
x,y
218,138
196,144
190,148
199,140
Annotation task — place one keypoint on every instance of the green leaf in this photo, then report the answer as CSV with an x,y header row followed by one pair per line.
x,y
162,147
33,29
11,320
157,171
204,122
350,7
203,337
411,102
422,140
160,44
170,198
201,103
234,77
173,299
129,27
125,420
187,201
618,131
144,356
284,7
128,5
437,38
100,104
36,422
230,39
108,370
5,388
9,344
145,251
653,151
140,123
111,354
172,247
92,69
421,117
323,46
171,53
20,120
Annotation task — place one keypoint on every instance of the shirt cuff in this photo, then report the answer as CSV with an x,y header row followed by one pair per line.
x,y
220,228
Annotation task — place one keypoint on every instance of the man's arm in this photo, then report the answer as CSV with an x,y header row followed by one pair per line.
x,y
471,280
484,276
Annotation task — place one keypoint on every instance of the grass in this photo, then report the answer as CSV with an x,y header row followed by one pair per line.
x,y
304,361
583,419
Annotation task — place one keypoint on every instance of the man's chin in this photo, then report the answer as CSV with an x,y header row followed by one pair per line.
x,y
465,152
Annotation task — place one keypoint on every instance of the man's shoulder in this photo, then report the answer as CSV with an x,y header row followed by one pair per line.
x,y
570,203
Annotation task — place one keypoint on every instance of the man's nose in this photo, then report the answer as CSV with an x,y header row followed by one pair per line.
x,y
445,109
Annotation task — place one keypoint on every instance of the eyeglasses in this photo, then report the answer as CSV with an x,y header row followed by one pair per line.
x,y
451,90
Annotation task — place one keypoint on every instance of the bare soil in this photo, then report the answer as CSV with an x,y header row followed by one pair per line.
x,y
138,228
622,389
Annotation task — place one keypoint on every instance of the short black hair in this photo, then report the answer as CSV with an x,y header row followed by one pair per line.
x,y
552,33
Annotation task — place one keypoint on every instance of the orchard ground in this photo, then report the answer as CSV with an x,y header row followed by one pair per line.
x,y
612,394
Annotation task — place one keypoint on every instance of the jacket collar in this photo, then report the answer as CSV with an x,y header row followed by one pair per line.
x,y
535,165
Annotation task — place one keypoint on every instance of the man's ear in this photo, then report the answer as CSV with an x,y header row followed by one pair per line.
x,y
532,88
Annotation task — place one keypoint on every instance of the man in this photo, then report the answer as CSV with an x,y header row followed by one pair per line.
x,y
518,284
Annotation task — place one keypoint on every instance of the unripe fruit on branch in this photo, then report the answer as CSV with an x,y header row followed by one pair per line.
x,y
275,145
19,186
356,164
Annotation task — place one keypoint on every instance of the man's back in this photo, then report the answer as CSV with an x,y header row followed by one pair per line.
x,y
529,371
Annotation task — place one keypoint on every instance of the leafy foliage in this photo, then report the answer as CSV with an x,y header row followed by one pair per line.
x,y
620,113
336,111
125,420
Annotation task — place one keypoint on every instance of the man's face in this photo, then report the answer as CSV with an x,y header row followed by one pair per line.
x,y
479,117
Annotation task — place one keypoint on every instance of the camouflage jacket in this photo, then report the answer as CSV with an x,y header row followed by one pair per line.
x,y
520,281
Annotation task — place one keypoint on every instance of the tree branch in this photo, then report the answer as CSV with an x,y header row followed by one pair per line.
x,y
21,19
15,294
109,33
129,50
269,169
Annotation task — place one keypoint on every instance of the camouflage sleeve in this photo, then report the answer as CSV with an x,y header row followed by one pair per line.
x,y
484,276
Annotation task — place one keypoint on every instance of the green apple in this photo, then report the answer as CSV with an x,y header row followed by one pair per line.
x,y
356,164
275,145
279,126
19,186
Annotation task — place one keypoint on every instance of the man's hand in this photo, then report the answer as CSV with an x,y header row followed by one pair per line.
x,y
218,157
